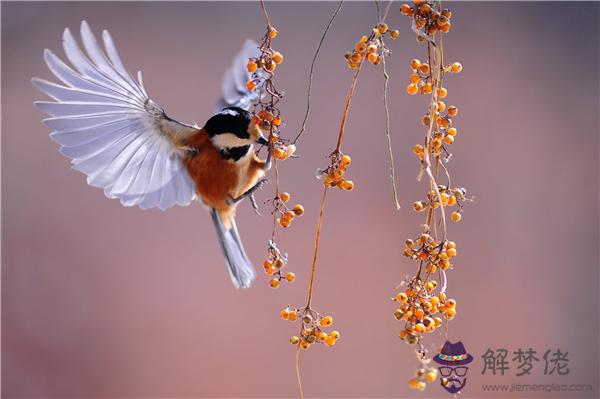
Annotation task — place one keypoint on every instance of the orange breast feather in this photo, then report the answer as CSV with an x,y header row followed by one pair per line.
x,y
216,179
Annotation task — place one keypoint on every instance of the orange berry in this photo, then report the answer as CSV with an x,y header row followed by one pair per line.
x,y
424,68
405,9
290,277
418,149
414,78
270,271
360,47
274,283
276,121
394,34
382,27
277,57
285,314
442,92
250,85
298,210
456,67
335,335
279,263
449,139
437,143
272,32
452,131
270,66
373,58
427,88
278,153
347,185
326,321
441,106
402,297
452,110
418,206
294,340
346,160
285,197
455,216
293,316
415,64
251,66
289,215
330,341
412,89
419,327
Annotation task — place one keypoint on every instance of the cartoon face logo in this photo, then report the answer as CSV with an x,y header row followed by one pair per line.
x,y
452,361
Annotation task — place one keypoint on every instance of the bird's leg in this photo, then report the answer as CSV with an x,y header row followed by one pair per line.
x,y
268,161
248,194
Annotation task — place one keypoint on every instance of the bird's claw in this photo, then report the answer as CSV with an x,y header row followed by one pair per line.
x,y
254,204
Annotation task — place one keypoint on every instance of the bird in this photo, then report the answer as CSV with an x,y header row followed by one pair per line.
x,y
126,144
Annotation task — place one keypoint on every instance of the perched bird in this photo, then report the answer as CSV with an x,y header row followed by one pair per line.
x,y
126,144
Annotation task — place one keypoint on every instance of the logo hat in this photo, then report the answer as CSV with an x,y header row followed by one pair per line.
x,y
453,354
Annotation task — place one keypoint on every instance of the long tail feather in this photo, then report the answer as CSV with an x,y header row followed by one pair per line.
x,y
240,269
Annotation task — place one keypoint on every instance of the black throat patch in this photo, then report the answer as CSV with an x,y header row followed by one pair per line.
x,y
234,153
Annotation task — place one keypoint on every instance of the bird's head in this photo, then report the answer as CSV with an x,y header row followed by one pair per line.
x,y
232,128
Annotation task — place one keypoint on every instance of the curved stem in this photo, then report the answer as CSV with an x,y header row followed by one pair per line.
x,y
312,66
298,372
316,250
387,129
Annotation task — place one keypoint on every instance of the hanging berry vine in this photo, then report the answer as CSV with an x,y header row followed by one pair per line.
x,y
423,302
267,116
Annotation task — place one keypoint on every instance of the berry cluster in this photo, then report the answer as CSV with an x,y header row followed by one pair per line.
x,y
370,48
423,304
420,81
267,117
274,264
422,376
447,197
312,327
427,251
427,18
333,176
267,61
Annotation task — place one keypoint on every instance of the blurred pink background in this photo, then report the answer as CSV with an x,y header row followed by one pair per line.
x,y
104,301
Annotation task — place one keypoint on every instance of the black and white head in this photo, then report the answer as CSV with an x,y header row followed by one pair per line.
x,y
232,132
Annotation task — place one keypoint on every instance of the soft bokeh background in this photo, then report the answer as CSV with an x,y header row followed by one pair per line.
x,y
99,300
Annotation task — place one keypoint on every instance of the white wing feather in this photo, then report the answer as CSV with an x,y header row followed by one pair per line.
x,y
110,129
235,93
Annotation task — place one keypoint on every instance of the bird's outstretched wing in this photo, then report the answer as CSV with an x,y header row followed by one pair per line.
x,y
110,129
235,92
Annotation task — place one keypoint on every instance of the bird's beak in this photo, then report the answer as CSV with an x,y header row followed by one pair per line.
x,y
262,140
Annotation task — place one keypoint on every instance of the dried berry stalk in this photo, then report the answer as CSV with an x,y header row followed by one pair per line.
x,y
369,49
423,304
267,116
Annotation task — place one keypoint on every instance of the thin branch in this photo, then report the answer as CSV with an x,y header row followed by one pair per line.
x,y
387,128
312,66
264,8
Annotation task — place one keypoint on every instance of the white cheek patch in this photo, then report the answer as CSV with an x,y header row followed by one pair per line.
x,y
254,131
229,140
